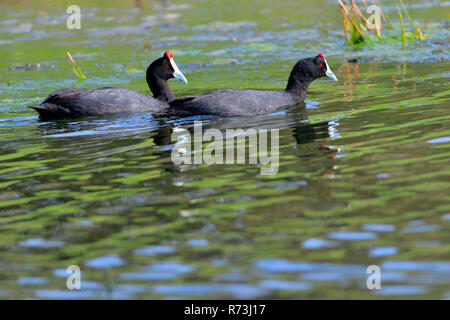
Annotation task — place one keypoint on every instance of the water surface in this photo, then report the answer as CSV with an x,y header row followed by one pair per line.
x,y
102,193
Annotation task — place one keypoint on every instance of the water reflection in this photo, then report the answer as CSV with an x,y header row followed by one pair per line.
x,y
361,181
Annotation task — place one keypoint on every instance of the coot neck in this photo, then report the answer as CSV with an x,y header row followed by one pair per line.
x,y
298,86
160,89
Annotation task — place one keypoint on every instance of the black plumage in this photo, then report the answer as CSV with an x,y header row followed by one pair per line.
x,y
253,102
76,102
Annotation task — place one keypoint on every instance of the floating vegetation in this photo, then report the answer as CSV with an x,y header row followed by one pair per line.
x,y
134,72
147,45
419,34
356,32
361,29
29,67
76,68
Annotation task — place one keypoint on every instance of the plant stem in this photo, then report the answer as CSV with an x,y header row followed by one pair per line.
x,y
344,22
76,69
352,22
402,25
406,12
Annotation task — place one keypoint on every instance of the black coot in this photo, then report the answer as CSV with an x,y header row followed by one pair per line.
x,y
251,102
76,102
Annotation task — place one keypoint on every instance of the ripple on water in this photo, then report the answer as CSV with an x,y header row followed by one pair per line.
x,y
400,290
41,243
170,266
419,226
283,185
314,271
60,273
382,252
148,276
284,285
116,183
239,291
64,294
154,250
126,291
108,261
91,285
32,281
282,265
198,242
314,243
335,272
352,236
439,140
378,227
322,276
424,266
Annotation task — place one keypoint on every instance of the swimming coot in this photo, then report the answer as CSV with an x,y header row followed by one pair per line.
x,y
251,102
76,102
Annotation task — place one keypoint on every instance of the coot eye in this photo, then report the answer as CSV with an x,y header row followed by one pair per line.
x,y
166,66
321,65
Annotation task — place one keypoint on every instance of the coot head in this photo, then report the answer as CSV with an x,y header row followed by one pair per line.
x,y
312,68
165,69
159,72
324,67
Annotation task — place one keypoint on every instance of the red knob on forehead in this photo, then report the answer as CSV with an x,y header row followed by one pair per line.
x,y
321,55
168,55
